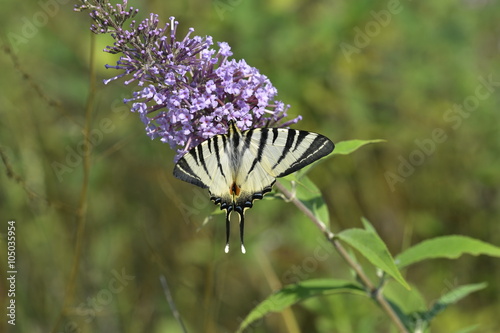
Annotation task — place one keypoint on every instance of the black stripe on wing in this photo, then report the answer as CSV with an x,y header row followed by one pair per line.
x,y
262,145
275,134
319,147
234,134
217,152
183,171
302,135
192,167
201,157
289,142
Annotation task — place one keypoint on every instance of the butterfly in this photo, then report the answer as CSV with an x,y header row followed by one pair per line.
x,y
242,166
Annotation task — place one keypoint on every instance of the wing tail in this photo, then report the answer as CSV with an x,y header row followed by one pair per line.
x,y
242,228
241,214
228,214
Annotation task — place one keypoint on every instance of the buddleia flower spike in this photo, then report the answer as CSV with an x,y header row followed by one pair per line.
x,y
219,114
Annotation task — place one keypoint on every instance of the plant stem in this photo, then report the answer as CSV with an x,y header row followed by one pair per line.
x,y
375,293
81,212
171,303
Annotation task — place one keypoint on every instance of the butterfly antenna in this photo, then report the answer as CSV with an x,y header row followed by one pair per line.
x,y
242,227
228,213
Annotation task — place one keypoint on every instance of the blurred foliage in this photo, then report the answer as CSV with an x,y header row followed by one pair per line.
x,y
143,223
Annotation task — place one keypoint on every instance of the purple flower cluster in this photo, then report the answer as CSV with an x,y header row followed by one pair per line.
x,y
188,90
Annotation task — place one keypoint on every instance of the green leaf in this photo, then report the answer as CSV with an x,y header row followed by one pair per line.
x,y
457,294
347,147
450,247
446,300
310,195
294,293
407,320
407,300
368,226
468,329
419,321
369,244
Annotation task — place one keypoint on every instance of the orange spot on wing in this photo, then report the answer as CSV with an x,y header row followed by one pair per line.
x,y
234,190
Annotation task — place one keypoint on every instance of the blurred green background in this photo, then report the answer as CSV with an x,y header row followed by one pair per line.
x,y
352,69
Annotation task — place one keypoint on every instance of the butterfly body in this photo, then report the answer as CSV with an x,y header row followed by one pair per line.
x,y
240,167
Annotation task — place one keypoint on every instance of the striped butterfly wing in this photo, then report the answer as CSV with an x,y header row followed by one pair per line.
x,y
270,153
280,152
207,166
240,167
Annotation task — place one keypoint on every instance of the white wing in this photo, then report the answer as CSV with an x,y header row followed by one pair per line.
x,y
207,166
277,152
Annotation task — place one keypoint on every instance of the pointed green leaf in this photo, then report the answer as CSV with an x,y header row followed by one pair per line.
x,y
310,195
450,247
419,321
446,300
368,226
457,294
294,293
369,244
347,147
